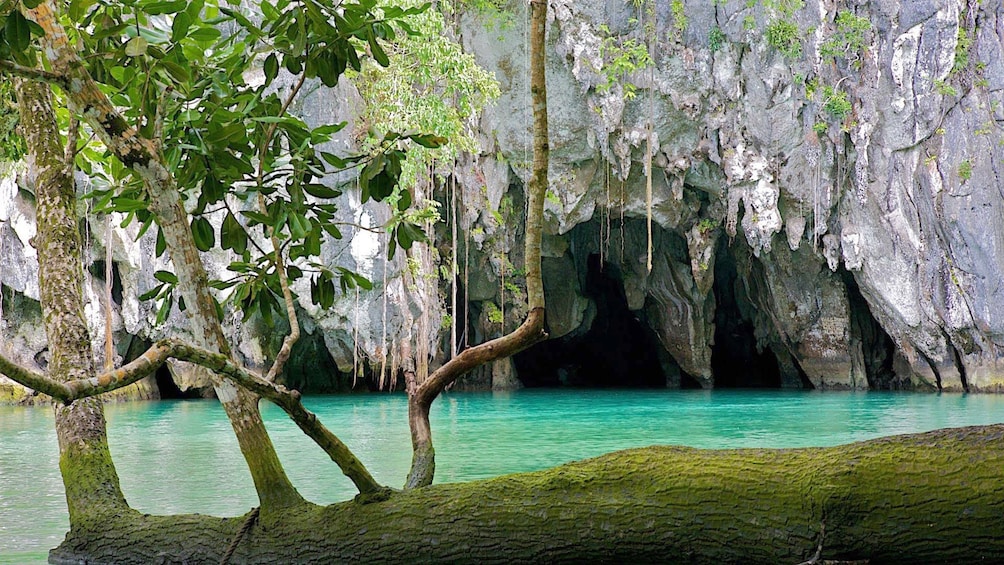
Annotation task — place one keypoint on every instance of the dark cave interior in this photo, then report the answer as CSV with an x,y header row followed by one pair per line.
x,y
736,361
618,349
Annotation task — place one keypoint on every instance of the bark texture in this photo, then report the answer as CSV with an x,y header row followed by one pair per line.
x,y
924,498
92,485
531,331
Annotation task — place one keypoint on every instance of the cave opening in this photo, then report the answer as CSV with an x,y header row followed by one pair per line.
x,y
737,361
97,270
311,369
166,386
877,347
617,350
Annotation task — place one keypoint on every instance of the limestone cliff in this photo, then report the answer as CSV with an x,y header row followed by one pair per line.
x,y
826,208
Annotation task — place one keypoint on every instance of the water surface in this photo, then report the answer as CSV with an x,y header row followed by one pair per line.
x,y
181,456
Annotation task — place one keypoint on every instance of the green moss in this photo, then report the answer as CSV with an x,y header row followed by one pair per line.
x,y
12,394
924,498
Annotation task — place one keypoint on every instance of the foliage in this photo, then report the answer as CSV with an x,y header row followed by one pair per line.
x,y
621,57
680,21
962,46
716,39
945,89
848,40
707,224
836,103
784,35
965,170
494,313
434,87
235,151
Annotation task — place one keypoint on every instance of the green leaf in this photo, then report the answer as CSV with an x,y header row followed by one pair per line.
x,y
202,232
161,243
332,230
230,132
165,309
151,293
17,31
298,226
271,68
232,235
168,7
136,47
205,34
178,72
429,141
405,200
31,4
166,277
407,234
78,8
123,204
377,51
257,217
321,191
179,29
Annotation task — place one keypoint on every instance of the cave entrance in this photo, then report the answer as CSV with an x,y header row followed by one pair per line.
x,y
311,369
166,386
877,348
736,360
618,349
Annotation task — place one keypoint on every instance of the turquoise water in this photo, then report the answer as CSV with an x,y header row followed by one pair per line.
x,y
181,456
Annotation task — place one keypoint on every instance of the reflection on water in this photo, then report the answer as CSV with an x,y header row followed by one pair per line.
x,y
180,456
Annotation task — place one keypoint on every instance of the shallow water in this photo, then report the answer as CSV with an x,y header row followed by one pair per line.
x,y
180,456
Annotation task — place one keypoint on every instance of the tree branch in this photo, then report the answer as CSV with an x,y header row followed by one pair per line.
x,y
33,380
531,331
31,73
280,268
166,349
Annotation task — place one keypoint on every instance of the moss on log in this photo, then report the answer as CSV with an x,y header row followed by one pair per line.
x,y
925,498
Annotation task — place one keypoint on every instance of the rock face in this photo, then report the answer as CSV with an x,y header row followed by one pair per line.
x,y
825,210
850,182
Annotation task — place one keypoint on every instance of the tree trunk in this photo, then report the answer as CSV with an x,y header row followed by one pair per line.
x,y
924,498
531,331
140,154
92,486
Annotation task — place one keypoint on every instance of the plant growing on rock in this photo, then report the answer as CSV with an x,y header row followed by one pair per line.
x,y
848,40
783,34
621,58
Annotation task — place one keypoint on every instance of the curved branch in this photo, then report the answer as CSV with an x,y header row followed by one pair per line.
x,y
32,379
280,268
159,353
423,462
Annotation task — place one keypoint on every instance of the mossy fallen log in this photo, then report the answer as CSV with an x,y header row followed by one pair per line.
x,y
935,497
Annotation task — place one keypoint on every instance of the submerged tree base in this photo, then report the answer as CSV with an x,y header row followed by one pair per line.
x,y
924,498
